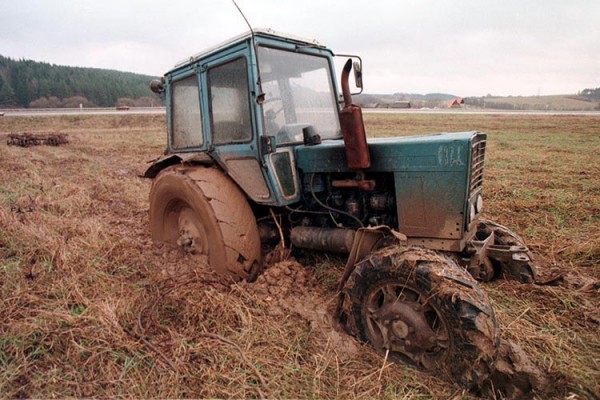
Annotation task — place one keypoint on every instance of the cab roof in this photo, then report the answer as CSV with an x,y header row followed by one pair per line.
x,y
263,32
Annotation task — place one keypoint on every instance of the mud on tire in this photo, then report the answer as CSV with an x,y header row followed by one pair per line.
x,y
206,214
427,311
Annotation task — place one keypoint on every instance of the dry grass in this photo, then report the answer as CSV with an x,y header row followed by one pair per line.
x,y
90,307
555,102
542,177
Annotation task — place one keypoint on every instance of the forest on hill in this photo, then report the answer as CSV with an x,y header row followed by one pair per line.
x,y
32,84
27,83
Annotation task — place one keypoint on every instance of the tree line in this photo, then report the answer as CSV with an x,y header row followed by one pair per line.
x,y
27,83
592,93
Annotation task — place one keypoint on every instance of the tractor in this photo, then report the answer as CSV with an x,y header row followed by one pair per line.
x,y
265,150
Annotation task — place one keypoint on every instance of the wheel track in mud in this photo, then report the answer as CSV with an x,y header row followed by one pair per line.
x,y
288,288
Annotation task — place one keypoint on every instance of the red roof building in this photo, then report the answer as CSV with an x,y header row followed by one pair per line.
x,y
456,103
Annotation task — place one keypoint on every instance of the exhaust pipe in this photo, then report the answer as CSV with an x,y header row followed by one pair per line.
x,y
353,128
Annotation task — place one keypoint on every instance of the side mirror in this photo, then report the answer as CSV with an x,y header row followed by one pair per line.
x,y
158,85
340,60
358,74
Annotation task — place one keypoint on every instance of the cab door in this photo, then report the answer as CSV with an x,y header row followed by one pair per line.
x,y
232,123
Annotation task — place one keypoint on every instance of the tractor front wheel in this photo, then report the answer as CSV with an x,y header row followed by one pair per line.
x,y
201,210
418,307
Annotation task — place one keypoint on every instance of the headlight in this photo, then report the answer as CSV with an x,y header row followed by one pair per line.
x,y
479,205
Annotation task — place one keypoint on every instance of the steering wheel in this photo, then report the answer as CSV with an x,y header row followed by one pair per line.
x,y
270,100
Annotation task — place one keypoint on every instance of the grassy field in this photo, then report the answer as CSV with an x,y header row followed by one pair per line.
x,y
91,307
555,102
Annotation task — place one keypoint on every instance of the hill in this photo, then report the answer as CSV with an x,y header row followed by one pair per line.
x,y
23,82
429,100
583,102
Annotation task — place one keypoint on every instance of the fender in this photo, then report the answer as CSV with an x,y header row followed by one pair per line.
x,y
176,158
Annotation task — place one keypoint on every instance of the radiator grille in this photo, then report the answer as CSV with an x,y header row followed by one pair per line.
x,y
477,161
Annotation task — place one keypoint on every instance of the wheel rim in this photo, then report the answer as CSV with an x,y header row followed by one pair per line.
x,y
192,236
186,229
401,320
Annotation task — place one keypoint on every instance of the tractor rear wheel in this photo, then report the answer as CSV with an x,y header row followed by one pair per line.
x,y
201,210
418,307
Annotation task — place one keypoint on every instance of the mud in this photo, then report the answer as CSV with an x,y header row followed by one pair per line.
x,y
285,288
289,289
579,282
517,375
214,202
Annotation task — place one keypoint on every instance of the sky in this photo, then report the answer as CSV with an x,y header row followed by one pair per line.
x,y
462,47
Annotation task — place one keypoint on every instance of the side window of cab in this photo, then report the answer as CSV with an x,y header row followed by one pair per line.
x,y
186,115
228,92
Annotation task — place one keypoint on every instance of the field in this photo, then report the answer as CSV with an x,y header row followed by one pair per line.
x,y
91,307
554,102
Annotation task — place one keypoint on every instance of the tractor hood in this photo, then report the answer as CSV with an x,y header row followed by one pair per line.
x,y
437,179
438,152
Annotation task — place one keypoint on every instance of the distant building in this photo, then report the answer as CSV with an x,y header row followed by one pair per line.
x,y
394,104
456,103
400,104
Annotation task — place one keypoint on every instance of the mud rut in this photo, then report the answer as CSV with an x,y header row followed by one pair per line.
x,y
288,287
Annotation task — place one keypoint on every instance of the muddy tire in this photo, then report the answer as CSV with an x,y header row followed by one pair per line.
x,y
425,310
201,210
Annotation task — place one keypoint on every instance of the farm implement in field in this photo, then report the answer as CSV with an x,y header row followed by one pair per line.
x,y
27,139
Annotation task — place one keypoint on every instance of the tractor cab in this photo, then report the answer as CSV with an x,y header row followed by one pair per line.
x,y
246,103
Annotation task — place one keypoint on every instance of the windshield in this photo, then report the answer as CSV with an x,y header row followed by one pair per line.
x,y
298,94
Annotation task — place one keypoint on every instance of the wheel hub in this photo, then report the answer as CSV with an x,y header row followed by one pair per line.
x,y
401,321
191,238
405,327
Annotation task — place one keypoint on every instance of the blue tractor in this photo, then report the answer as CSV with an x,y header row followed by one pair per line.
x,y
266,151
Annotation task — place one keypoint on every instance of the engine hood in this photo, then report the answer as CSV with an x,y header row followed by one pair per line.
x,y
437,152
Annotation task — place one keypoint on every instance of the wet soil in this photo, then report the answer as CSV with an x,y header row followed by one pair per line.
x,y
287,287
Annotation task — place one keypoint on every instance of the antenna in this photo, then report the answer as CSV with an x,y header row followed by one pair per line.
x,y
260,97
245,19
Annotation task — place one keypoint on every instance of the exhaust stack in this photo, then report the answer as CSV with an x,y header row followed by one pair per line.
x,y
353,128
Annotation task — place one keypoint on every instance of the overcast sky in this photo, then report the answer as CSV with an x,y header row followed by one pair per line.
x,y
463,47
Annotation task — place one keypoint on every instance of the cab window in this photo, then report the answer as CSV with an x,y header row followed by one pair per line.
x,y
299,93
229,102
186,116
